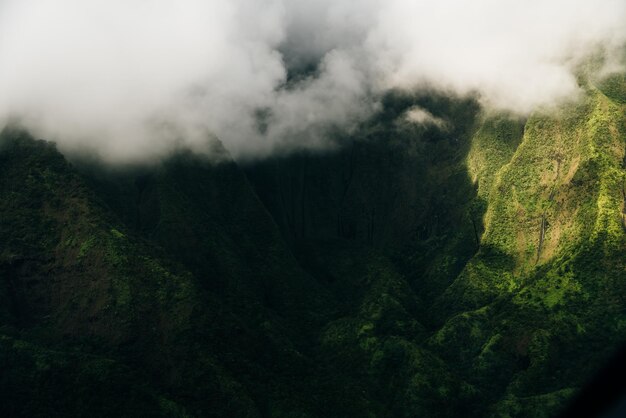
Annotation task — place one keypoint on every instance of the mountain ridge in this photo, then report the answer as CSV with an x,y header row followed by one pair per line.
x,y
476,271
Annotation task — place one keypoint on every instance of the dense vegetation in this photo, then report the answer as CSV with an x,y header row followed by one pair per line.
x,y
474,270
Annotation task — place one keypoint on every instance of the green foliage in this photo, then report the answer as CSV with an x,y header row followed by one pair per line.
x,y
476,270
614,87
546,405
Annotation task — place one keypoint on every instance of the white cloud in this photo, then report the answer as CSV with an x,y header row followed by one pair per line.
x,y
133,79
421,116
517,55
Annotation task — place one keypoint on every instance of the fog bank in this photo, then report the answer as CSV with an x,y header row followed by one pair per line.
x,y
133,80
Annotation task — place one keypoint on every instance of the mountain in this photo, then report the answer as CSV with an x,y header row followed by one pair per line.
x,y
471,268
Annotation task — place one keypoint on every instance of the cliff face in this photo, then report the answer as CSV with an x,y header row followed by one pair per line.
x,y
551,264
472,270
511,248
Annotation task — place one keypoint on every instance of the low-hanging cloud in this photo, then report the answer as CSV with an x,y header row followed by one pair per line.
x,y
135,79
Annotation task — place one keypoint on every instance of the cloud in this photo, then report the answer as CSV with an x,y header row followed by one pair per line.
x,y
135,79
423,117
517,55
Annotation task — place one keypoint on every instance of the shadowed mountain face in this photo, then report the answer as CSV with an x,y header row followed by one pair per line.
x,y
473,268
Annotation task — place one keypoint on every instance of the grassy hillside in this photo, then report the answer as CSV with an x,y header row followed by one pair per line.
x,y
544,296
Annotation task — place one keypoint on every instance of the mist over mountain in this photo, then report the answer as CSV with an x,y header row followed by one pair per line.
x,y
132,81
312,209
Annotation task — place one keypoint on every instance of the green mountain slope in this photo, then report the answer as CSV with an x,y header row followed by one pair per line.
x,y
551,267
528,318
476,270
85,296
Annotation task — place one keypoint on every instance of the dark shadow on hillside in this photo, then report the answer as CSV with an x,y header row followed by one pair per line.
x,y
398,187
